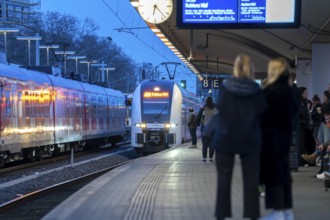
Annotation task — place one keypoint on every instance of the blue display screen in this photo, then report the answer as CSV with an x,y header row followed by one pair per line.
x,y
201,11
252,11
245,12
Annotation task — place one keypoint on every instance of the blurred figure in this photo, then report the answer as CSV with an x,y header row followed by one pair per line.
x,y
316,115
306,140
237,131
325,103
323,147
276,133
209,110
192,127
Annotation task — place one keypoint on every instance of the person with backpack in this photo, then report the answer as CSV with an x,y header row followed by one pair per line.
x,y
192,127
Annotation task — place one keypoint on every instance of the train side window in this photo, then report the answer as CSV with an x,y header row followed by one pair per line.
x,y
8,103
20,104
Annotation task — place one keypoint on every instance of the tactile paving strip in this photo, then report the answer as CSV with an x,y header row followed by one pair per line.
x,y
143,201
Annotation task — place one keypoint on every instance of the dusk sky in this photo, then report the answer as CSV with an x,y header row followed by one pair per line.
x,y
108,21
138,45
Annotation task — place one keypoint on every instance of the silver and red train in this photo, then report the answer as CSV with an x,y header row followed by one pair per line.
x,y
42,113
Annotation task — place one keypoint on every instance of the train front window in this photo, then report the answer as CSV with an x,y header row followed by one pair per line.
x,y
156,110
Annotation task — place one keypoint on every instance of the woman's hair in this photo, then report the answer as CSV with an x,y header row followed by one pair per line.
x,y
316,98
327,94
277,68
191,110
302,89
243,67
209,102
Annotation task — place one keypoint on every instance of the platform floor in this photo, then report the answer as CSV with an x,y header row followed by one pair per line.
x,y
176,184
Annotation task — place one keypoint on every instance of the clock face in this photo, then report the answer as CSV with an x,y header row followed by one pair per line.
x,y
155,11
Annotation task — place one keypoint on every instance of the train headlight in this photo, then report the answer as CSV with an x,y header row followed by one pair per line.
x,y
140,125
171,125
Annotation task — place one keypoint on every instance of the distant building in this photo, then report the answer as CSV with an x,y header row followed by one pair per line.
x,y
14,12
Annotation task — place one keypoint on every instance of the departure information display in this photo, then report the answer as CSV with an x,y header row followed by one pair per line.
x,y
237,12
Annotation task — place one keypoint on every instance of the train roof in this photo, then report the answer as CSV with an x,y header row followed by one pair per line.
x,y
25,75
17,73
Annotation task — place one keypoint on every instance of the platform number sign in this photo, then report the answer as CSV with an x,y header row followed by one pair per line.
x,y
211,83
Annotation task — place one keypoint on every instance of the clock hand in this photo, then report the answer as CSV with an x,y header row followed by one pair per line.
x,y
155,6
159,11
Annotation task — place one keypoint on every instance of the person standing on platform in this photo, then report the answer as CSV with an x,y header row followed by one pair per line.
x,y
192,127
307,143
316,115
277,126
208,111
200,119
240,108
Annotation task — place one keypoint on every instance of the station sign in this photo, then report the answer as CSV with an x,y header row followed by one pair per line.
x,y
211,83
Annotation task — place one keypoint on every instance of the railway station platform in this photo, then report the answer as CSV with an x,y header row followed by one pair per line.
x,y
176,184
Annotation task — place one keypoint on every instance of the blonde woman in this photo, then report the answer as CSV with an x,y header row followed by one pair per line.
x,y
237,131
276,132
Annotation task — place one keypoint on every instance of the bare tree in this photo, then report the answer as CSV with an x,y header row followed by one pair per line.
x,y
80,36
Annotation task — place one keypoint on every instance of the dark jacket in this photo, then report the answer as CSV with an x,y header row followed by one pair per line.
x,y
304,117
316,117
296,105
276,133
240,108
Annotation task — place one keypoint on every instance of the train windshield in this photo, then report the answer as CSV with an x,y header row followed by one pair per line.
x,y
156,107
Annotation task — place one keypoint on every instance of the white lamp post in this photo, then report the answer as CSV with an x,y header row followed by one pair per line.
x,y
76,58
108,69
49,47
29,38
88,62
64,53
5,31
100,65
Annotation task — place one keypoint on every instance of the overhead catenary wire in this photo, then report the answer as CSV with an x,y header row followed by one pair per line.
x,y
125,27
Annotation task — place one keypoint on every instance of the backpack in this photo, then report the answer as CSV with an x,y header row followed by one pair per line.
x,y
192,121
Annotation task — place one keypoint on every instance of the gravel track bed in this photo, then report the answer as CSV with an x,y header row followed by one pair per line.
x,y
67,173
6,177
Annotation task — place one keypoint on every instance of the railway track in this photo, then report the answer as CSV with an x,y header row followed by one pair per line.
x,y
54,159
37,204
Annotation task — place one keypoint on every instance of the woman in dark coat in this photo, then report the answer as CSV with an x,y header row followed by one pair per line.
x,y
306,142
237,131
276,133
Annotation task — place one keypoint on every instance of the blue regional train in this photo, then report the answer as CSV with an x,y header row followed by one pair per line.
x,y
160,111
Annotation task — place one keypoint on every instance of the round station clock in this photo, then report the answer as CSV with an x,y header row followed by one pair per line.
x,y
155,11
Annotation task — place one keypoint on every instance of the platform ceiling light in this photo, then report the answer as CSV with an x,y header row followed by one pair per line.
x,y
164,39
155,29
135,3
160,35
